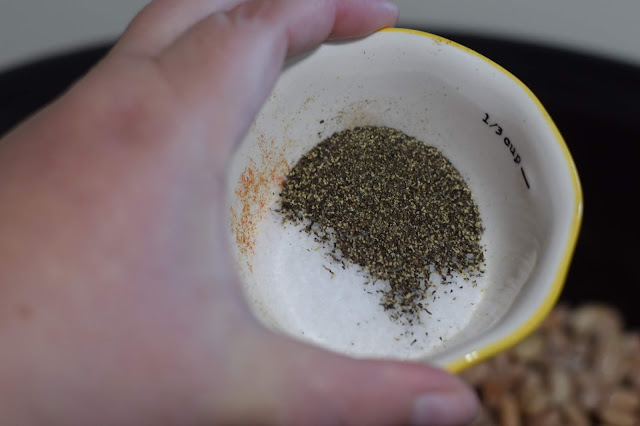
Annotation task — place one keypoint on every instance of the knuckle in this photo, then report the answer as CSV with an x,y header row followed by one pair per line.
x,y
133,104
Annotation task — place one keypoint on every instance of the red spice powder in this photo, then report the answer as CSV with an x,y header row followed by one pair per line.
x,y
259,182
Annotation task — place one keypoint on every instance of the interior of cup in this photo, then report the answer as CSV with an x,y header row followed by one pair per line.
x,y
483,120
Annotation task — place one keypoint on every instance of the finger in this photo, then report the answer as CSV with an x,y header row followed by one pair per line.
x,y
161,22
304,385
228,62
352,20
386,392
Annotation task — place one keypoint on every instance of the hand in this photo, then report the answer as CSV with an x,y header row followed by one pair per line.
x,y
119,303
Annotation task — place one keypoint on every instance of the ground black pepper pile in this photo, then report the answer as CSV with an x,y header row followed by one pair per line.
x,y
390,204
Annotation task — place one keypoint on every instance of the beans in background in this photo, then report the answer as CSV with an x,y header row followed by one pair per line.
x,y
580,368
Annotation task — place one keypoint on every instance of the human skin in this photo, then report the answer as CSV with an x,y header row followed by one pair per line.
x,y
119,302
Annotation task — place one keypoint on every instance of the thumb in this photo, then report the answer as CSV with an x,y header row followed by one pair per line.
x,y
300,384
385,392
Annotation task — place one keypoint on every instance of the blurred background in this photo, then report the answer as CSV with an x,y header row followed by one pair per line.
x,y
31,28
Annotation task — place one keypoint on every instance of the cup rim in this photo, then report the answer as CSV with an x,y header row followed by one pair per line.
x,y
478,355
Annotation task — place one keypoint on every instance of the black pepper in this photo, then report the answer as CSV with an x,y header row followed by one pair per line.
x,y
391,204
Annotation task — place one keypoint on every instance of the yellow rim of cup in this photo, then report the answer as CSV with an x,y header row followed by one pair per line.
x,y
547,304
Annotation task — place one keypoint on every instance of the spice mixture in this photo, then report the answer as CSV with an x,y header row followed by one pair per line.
x,y
392,205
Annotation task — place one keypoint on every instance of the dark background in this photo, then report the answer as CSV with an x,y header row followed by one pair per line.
x,y
594,102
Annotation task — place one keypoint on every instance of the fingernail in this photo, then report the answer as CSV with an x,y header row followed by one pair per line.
x,y
452,408
388,6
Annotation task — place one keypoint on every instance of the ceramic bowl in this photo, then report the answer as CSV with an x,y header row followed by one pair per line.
x,y
492,129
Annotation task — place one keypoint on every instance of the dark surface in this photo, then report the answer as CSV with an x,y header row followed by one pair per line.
x,y
594,102
25,89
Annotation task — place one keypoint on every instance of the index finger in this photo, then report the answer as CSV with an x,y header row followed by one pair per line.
x,y
161,22
226,64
